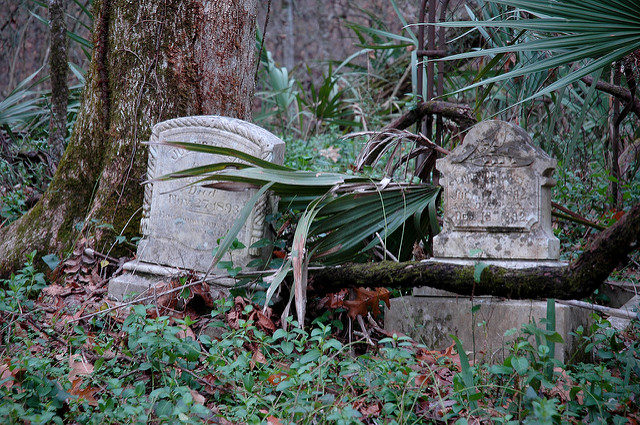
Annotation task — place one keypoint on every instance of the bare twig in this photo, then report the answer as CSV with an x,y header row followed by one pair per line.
x,y
614,312
139,300
365,333
384,247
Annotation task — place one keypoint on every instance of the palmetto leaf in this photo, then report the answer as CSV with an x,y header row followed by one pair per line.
x,y
590,33
22,104
343,214
219,150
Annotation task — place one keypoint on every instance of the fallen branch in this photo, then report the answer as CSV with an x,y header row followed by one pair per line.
x,y
459,113
579,279
613,312
572,216
456,112
616,91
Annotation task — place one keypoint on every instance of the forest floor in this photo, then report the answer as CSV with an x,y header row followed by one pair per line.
x,y
70,355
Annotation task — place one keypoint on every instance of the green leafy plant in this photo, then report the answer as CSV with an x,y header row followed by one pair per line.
x,y
344,214
592,34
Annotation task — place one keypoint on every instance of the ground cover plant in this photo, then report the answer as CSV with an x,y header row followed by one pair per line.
x,y
69,355
190,359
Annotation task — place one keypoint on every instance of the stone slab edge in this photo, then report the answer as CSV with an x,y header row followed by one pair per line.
x,y
140,277
430,320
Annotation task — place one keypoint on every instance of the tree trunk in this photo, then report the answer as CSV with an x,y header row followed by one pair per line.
x,y
58,69
607,250
153,60
289,46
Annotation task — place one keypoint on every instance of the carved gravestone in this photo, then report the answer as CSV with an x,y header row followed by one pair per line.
x,y
497,210
181,224
497,198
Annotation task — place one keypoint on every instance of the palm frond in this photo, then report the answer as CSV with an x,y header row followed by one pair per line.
x,y
343,214
583,36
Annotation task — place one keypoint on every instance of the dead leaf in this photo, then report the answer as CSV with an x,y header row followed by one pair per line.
x,y
203,292
367,300
264,322
272,420
370,410
186,332
197,397
79,367
257,357
210,386
86,394
5,372
276,378
335,300
331,153
55,290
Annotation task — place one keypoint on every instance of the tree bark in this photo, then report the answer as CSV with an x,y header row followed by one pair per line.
x,y
152,61
605,252
58,69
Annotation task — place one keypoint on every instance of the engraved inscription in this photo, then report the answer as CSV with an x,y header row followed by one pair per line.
x,y
198,200
477,200
192,215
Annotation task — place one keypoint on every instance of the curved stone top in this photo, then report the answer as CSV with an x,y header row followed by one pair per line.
x,y
496,143
251,132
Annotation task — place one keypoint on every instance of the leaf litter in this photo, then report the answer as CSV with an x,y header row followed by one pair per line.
x,y
79,290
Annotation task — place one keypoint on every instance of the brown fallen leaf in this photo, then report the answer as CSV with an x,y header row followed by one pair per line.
x,y
257,357
264,322
272,420
276,378
335,300
367,300
197,397
370,410
55,290
186,332
79,368
5,372
86,394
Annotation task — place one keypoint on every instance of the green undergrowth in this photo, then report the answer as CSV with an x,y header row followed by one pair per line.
x,y
233,365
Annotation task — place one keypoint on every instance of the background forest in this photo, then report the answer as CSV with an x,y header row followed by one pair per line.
x,y
329,77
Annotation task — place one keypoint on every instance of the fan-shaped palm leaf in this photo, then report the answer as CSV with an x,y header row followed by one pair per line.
x,y
591,33
343,214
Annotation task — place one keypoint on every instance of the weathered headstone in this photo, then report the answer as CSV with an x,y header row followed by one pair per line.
x,y
497,198
181,224
497,210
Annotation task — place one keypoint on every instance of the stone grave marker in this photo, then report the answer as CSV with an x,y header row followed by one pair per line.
x,y
497,210
181,224
497,198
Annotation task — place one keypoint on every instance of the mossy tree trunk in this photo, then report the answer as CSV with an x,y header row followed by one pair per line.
x,y
58,70
153,60
609,249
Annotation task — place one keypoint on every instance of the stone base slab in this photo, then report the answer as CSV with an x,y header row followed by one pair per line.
x,y
431,319
140,277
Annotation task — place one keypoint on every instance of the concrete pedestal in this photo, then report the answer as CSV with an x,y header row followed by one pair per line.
x,y
434,315
140,278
